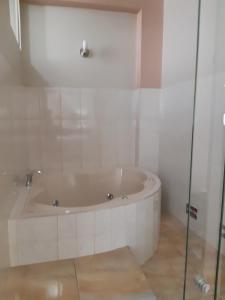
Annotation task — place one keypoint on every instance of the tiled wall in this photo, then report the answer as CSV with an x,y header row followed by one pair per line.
x,y
62,129
179,61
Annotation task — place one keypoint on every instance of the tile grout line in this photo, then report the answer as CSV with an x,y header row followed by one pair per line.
x,y
76,279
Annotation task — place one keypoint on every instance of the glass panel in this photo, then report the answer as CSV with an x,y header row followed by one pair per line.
x,y
165,270
208,156
14,9
220,275
220,104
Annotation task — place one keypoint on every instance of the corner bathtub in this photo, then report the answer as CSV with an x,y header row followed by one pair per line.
x,y
85,222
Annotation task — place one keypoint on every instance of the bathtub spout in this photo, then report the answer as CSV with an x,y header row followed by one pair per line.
x,y
29,177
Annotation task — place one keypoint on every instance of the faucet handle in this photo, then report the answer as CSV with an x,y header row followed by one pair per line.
x,y
29,176
39,172
33,172
36,171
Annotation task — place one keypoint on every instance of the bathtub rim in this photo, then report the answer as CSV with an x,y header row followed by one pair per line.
x,y
43,210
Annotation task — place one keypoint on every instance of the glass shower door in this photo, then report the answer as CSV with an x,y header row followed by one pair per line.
x,y
220,275
205,272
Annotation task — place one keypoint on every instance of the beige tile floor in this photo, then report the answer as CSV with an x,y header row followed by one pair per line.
x,y
54,280
109,276
165,271
116,275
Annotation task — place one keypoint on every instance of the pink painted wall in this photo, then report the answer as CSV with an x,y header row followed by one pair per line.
x,y
150,32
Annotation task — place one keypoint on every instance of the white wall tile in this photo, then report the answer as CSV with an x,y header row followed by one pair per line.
x,y
157,217
85,245
25,104
109,151
148,146
37,229
13,253
20,145
103,222
50,103
86,128
5,103
37,240
90,144
85,224
103,231
67,227
123,105
32,97
148,129
72,156
107,103
89,104
68,248
7,149
149,103
67,242
34,148
130,223
118,228
37,251
103,243
150,226
51,143
124,143
141,223
71,103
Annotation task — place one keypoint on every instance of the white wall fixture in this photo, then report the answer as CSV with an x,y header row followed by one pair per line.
x,y
84,51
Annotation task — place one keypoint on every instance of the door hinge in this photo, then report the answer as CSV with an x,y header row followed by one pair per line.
x,y
192,211
223,231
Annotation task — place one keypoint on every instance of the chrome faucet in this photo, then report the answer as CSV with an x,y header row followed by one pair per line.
x,y
29,177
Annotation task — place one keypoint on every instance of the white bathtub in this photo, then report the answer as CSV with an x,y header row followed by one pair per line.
x,y
85,221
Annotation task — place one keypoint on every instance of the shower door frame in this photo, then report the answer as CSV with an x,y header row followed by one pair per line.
x,y
222,213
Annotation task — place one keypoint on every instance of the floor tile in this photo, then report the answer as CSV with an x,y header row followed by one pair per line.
x,y
113,275
55,280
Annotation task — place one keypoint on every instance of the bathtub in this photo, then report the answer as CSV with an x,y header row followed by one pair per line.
x,y
65,216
